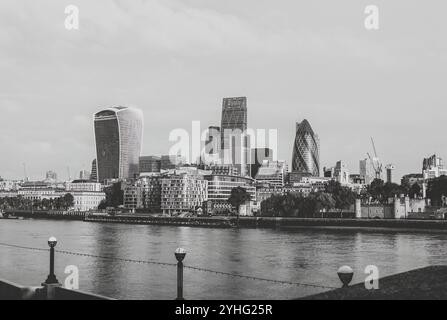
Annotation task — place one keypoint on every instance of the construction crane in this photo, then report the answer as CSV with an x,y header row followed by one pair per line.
x,y
375,161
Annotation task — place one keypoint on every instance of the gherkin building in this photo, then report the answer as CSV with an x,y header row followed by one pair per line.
x,y
306,150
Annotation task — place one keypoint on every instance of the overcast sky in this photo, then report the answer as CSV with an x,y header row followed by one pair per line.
x,y
176,60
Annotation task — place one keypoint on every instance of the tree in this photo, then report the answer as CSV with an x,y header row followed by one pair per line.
x,y
375,190
238,197
437,189
344,197
114,195
68,200
415,191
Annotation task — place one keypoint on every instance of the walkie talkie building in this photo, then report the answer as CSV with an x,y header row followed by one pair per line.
x,y
118,134
306,150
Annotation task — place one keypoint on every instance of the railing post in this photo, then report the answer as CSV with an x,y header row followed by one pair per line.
x,y
180,255
51,281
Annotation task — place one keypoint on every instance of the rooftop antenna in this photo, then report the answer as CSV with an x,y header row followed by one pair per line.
x,y
24,172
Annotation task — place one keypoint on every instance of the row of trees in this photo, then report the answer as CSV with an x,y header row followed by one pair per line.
x,y
379,191
334,196
19,203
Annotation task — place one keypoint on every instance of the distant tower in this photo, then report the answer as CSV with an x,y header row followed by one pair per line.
x,y
365,171
306,150
212,145
94,172
51,175
234,141
84,175
118,133
389,172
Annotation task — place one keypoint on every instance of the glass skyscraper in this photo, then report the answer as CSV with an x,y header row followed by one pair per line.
x,y
233,128
118,134
306,150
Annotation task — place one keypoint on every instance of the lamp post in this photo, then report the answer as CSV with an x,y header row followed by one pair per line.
x,y
180,254
345,274
52,242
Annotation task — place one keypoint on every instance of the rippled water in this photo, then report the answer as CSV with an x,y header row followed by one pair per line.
x,y
307,256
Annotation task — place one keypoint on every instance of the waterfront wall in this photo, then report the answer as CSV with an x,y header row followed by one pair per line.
x,y
45,214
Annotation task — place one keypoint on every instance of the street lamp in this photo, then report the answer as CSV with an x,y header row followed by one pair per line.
x,y
345,274
52,242
180,254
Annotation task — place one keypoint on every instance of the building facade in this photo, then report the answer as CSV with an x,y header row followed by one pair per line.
x,y
183,192
258,155
219,191
144,194
150,164
306,150
271,173
366,171
118,135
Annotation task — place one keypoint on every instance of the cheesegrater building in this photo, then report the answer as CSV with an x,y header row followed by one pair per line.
x,y
118,135
234,141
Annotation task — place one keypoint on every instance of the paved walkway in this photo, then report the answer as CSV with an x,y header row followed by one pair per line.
x,y
428,283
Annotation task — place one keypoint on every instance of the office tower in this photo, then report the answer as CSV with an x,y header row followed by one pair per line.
x,y
150,164
118,133
84,175
365,171
234,141
94,173
212,146
258,155
341,173
389,173
306,151
433,167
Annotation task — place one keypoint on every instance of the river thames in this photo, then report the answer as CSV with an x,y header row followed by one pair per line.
x,y
307,256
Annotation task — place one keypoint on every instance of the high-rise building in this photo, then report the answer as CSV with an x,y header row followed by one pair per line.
x,y
234,140
212,145
118,133
365,171
389,172
94,173
84,175
150,164
306,150
341,173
